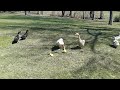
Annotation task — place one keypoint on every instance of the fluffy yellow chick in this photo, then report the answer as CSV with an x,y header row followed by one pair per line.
x,y
51,54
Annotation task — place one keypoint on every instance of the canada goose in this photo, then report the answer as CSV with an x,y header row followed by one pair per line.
x,y
80,41
23,37
59,45
16,38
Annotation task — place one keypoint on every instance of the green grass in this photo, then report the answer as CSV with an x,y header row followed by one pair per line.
x,y
29,59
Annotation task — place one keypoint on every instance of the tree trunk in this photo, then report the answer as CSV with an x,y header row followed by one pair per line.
x,y
25,12
101,14
83,15
110,18
38,12
63,13
70,15
90,14
93,15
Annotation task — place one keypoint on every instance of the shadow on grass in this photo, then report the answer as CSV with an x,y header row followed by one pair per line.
x,y
41,18
96,67
103,37
75,48
96,35
106,30
42,27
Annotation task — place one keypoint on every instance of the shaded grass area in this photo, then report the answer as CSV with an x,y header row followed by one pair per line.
x,y
30,59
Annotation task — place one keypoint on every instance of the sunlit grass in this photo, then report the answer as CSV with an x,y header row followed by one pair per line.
x,y
30,58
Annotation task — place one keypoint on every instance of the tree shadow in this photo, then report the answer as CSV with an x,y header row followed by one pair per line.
x,y
93,65
103,36
94,42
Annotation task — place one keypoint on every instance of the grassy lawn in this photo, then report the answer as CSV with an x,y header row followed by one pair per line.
x,y
29,59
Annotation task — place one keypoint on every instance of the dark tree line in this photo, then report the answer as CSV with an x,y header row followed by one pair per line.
x,y
92,15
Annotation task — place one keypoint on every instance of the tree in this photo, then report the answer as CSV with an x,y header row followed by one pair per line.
x,y
101,14
25,12
92,14
70,14
63,13
110,18
38,12
83,15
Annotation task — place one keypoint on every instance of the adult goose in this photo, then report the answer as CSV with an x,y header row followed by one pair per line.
x,y
16,38
59,45
115,42
23,37
80,41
